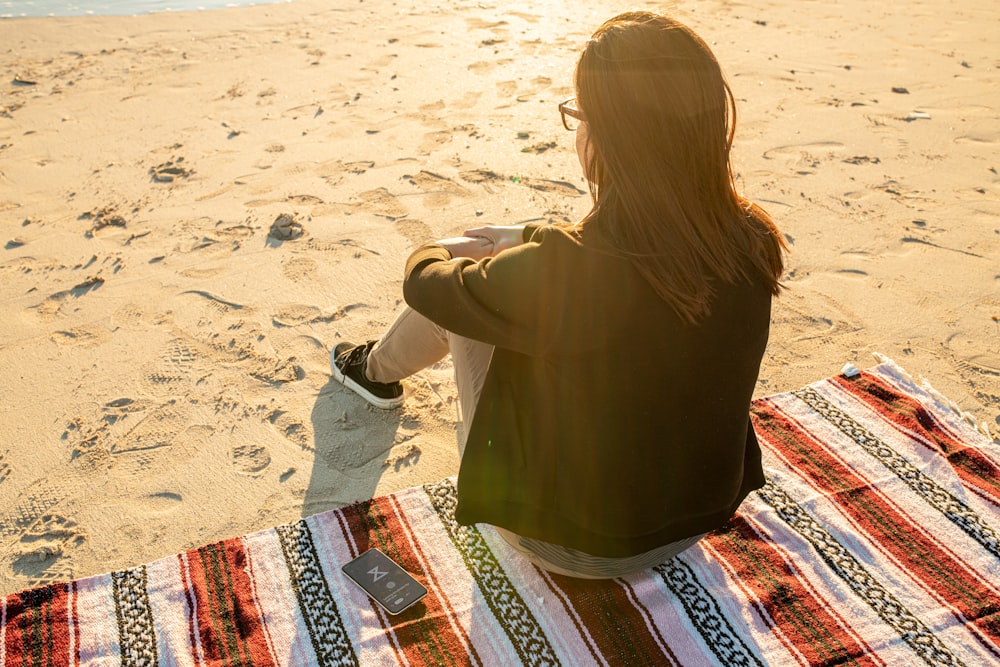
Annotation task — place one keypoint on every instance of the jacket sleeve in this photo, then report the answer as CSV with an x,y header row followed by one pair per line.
x,y
500,300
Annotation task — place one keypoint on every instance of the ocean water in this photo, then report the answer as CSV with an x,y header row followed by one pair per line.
x,y
25,8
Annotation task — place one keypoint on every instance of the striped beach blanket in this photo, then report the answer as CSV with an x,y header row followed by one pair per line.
x,y
874,542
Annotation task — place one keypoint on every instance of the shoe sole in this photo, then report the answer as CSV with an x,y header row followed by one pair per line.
x,y
377,401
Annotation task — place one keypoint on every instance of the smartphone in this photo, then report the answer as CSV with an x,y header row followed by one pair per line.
x,y
386,582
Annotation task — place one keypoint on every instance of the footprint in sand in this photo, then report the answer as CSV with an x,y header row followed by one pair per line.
x,y
103,217
513,92
130,316
347,436
135,438
431,114
433,141
87,443
157,430
476,23
535,86
163,380
56,304
235,232
304,200
358,167
483,67
83,336
275,371
299,269
469,100
805,159
405,455
4,469
214,303
506,89
562,188
819,323
381,202
978,367
293,429
530,18
298,314
333,250
124,431
984,379
333,171
487,178
249,459
28,265
175,367
439,190
33,503
230,339
170,170
415,231
203,273
43,554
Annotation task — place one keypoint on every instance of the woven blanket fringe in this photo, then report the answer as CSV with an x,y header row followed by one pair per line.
x,y
922,389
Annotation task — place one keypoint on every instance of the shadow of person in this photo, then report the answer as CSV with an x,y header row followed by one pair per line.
x,y
351,440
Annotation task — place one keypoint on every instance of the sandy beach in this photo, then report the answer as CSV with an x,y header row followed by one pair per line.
x,y
196,207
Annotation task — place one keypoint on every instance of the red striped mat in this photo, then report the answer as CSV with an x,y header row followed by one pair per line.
x,y
874,542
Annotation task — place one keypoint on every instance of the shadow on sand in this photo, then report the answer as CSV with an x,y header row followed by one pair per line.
x,y
351,440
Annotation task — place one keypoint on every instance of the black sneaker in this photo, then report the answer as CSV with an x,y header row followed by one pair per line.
x,y
348,362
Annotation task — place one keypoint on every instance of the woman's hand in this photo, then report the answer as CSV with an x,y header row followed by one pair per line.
x,y
501,237
476,247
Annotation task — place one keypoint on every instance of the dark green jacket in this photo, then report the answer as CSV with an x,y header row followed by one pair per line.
x,y
605,424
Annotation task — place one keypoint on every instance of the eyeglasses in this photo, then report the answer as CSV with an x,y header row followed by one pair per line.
x,y
571,114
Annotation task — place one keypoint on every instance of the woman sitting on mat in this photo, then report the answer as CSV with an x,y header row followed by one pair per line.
x,y
604,369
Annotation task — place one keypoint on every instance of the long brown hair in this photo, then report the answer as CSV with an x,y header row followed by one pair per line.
x,y
661,120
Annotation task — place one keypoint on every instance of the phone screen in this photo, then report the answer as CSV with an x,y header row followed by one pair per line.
x,y
385,581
